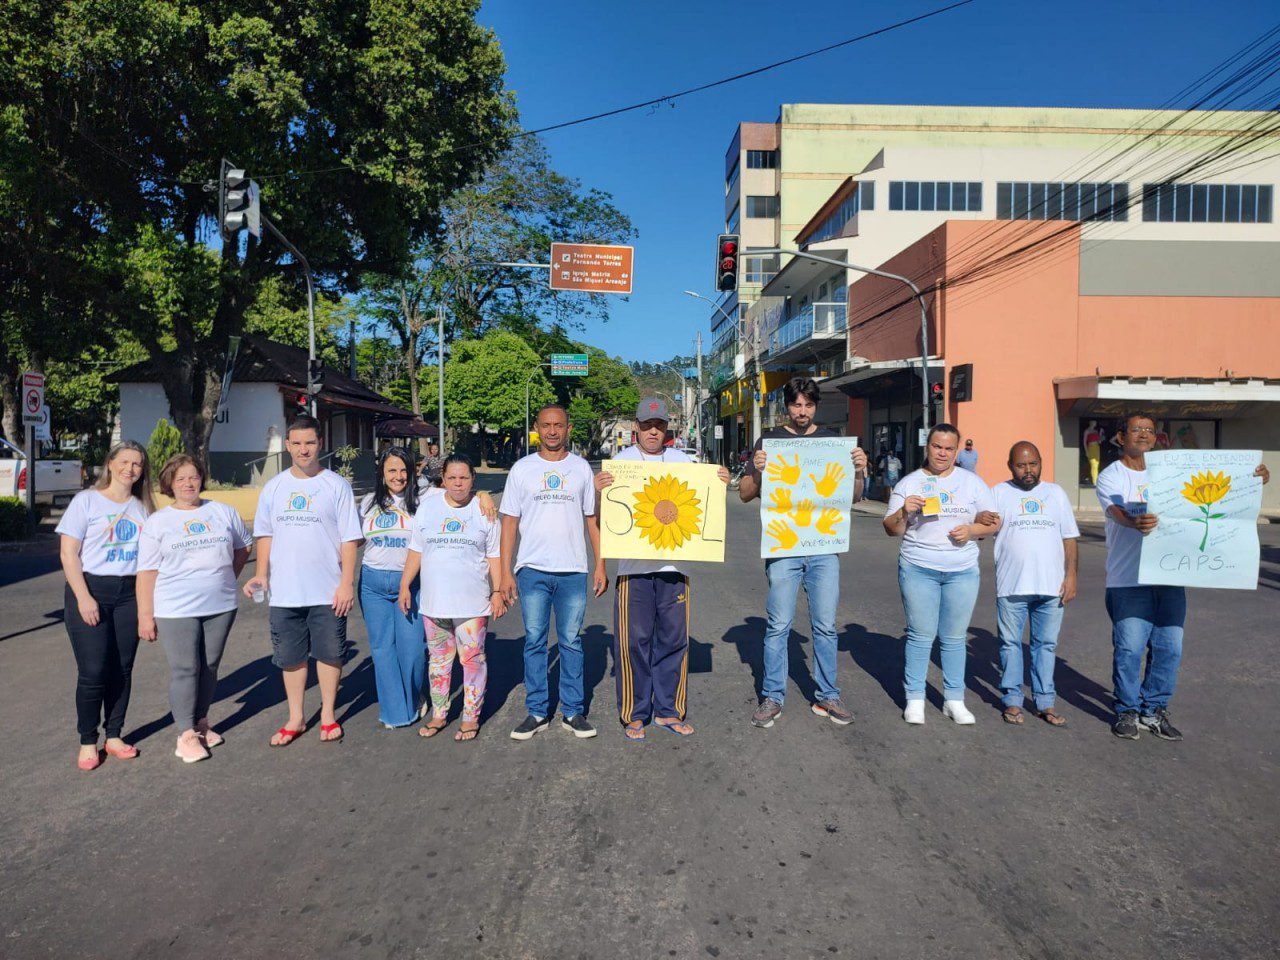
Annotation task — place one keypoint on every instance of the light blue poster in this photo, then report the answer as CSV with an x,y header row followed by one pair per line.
x,y
1208,503
806,492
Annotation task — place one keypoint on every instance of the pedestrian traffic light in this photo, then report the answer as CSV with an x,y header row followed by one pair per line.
x,y
237,203
727,262
935,393
315,375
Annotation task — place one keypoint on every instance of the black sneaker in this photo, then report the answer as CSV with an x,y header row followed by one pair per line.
x,y
579,726
529,726
766,713
1158,724
1126,725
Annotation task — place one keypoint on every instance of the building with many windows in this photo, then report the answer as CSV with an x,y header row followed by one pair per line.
x,y
965,199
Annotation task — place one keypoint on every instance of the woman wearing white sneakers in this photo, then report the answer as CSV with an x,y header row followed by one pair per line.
x,y
189,557
933,511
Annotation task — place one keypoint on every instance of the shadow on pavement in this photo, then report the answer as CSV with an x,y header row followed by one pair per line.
x,y
880,657
53,617
749,639
1073,687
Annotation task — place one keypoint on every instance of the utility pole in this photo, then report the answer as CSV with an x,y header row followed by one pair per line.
x,y
697,410
532,373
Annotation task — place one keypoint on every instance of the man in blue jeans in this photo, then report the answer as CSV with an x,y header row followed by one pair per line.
x,y
819,575
1036,562
1146,621
548,500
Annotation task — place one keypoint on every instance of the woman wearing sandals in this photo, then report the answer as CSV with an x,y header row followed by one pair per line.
x,y
190,557
934,510
457,549
99,551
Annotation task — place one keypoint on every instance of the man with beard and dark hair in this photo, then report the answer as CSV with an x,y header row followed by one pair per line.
x,y
1036,559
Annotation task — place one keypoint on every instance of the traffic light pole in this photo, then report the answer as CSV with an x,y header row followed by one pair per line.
x,y
311,308
755,359
924,317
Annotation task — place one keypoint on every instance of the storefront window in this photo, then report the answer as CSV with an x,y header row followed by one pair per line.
x,y
1099,447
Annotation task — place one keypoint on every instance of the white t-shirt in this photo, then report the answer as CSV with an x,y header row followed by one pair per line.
x,y
386,533
193,552
551,497
108,532
1030,559
455,543
1121,487
308,519
627,568
925,543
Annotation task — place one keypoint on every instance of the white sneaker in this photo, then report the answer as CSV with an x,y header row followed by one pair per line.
x,y
914,712
957,711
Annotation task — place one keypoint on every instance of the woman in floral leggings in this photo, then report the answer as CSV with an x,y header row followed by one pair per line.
x,y
456,548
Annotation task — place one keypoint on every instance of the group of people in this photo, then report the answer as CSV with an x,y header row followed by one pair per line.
x,y
440,561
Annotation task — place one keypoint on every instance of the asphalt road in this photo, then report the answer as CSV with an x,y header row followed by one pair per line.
x,y
806,840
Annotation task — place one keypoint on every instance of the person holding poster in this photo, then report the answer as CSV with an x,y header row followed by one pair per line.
x,y
550,495
652,606
1146,620
935,512
1036,560
820,574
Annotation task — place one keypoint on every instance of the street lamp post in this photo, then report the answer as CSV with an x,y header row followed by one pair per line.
x,y
924,317
755,360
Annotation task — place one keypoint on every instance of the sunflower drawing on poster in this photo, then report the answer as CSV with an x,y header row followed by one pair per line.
x,y
1207,535
662,511
806,492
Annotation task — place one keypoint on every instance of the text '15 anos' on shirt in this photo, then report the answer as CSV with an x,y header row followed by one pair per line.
x,y
308,520
456,544
631,568
1118,486
926,543
1030,557
386,533
551,498
192,552
108,532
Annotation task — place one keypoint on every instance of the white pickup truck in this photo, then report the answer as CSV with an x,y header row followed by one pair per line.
x,y
57,481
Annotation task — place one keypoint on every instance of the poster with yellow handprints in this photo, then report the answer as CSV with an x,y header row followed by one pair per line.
x,y
806,491
662,511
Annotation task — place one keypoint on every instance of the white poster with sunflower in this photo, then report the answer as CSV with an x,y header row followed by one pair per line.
x,y
1207,535
806,492
662,511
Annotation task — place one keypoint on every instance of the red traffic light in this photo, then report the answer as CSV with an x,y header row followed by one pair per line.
x,y
727,262
728,247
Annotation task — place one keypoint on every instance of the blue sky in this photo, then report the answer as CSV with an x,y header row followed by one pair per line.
x,y
664,166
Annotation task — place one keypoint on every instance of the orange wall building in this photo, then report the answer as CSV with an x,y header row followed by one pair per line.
x,y
1061,331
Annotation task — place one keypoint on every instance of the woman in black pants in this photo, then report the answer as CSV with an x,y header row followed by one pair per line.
x,y
100,559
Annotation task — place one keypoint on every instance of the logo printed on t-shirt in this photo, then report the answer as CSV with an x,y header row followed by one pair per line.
x,y
121,529
1142,492
299,503
552,480
195,528
453,525
389,519
1032,506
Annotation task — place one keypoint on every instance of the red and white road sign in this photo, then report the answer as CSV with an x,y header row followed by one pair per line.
x,y
32,399
591,267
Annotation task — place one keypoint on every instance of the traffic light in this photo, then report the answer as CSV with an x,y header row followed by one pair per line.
x,y
238,206
727,261
935,393
315,374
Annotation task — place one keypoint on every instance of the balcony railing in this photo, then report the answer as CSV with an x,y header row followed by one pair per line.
x,y
815,320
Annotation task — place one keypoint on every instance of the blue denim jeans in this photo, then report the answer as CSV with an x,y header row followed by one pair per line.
x,y
397,645
565,594
820,577
1146,624
938,604
1012,614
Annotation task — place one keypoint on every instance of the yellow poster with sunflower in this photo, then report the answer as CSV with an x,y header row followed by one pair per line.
x,y
1207,502
662,511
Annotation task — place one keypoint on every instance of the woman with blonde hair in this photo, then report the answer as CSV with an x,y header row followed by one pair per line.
x,y
190,556
99,551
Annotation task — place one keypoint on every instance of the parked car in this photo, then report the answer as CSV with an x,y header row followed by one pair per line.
x,y
692,454
57,481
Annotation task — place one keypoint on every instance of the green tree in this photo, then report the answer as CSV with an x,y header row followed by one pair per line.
x,y
358,119
165,442
484,382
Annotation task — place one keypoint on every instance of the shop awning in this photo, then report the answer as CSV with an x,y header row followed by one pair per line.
x,y
406,427
1179,397
859,376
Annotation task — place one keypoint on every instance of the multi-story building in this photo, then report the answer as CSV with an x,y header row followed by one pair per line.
x,y
883,187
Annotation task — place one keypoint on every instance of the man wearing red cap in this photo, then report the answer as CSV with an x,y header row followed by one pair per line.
x,y
651,608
